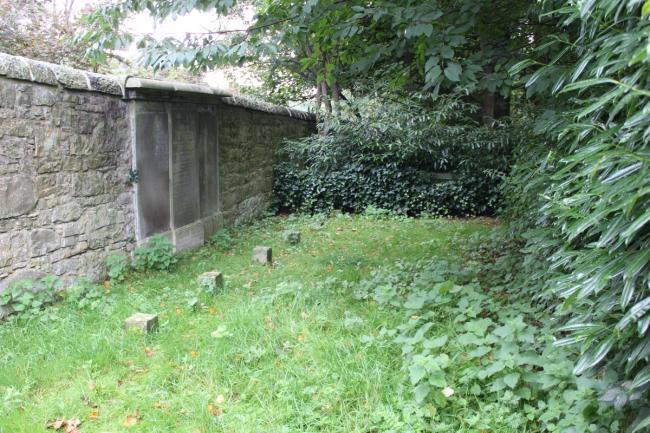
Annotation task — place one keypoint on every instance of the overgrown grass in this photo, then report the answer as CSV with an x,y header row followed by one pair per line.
x,y
280,350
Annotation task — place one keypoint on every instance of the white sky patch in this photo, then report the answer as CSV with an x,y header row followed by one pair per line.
x,y
143,24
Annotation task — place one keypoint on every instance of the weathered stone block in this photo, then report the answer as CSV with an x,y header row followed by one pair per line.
x,y
142,321
211,281
263,255
44,241
291,236
189,237
18,195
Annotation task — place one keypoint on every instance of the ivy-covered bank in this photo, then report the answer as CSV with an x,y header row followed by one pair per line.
x,y
401,189
428,156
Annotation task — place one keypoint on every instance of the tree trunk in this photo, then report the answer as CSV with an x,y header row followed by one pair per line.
x,y
318,102
336,98
326,97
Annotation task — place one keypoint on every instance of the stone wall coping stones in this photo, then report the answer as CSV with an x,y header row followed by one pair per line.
x,y
22,68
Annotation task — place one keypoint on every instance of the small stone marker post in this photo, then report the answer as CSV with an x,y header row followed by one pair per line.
x,y
263,255
146,322
212,281
292,237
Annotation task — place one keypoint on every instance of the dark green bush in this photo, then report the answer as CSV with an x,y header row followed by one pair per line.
x,y
405,190
391,156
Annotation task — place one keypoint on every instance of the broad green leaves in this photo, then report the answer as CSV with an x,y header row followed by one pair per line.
x,y
458,362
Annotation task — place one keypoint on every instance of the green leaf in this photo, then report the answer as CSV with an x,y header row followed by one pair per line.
x,y
642,378
492,369
478,327
645,10
511,379
446,52
642,422
421,391
437,378
436,342
418,30
416,373
453,71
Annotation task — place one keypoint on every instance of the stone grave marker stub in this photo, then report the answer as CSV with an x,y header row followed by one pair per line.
x,y
263,255
145,322
211,281
292,237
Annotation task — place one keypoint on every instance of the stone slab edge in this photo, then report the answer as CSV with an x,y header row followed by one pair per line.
x,y
22,68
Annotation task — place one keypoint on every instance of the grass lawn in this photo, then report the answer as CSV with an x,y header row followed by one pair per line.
x,y
278,351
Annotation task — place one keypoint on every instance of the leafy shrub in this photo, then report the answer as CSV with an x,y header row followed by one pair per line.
x,y
404,190
397,157
157,255
28,300
118,265
586,222
429,133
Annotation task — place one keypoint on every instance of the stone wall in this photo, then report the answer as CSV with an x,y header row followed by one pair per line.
x,y
65,202
248,142
92,164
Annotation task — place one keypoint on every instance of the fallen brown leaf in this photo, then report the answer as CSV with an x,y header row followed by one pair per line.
x,y
67,425
132,419
214,410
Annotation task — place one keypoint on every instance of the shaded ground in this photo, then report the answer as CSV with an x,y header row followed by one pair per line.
x,y
279,351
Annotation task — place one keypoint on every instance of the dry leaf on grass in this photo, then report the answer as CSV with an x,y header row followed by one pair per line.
x,y
66,425
214,410
132,419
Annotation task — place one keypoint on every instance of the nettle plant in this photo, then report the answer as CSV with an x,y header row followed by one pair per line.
x,y
86,295
26,299
485,354
156,255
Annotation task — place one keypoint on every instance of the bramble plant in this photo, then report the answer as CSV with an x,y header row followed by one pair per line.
x,y
482,353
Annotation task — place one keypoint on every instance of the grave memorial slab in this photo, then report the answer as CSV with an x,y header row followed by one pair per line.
x,y
263,255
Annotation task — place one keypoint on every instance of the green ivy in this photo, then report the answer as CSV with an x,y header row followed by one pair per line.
x,y
404,190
